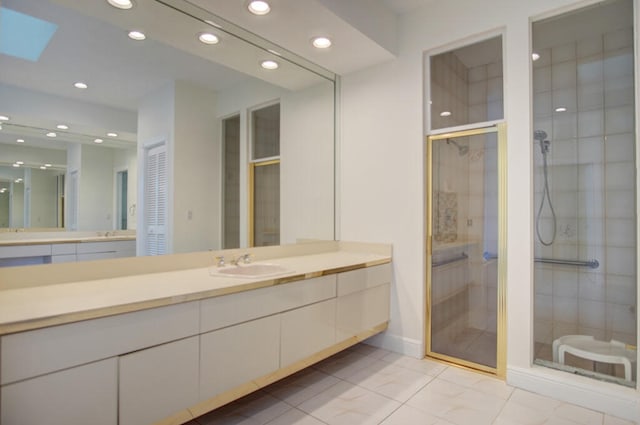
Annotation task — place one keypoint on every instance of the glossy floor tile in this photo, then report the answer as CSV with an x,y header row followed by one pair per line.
x,y
365,385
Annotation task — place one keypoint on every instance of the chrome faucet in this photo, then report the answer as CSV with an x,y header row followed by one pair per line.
x,y
244,258
220,261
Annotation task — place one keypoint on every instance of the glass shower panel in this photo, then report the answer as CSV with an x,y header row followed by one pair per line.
x,y
266,208
464,266
585,191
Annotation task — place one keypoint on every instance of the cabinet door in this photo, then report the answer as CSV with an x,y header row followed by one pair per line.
x,y
238,354
362,311
78,396
158,382
307,330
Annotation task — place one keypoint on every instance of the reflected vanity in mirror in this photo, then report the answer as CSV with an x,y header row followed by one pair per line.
x,y
157,140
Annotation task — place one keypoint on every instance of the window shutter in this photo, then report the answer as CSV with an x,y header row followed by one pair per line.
x,y
155,198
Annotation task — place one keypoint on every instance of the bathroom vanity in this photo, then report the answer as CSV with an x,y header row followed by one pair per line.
x,y
164,340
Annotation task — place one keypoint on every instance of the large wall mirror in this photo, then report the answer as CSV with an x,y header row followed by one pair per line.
x,y
84,108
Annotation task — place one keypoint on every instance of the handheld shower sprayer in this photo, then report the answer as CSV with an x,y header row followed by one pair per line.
x,y
545,145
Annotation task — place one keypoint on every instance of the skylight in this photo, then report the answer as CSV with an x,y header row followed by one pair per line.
x,y
24,36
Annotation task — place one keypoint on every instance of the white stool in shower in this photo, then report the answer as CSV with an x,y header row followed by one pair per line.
x,y
587,347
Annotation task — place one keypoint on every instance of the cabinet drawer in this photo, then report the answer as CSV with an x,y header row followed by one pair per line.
x,y
229,310
307,330
158,382
106,246
361,311
358,280
28,354
63,249
238,354
81,395
25,251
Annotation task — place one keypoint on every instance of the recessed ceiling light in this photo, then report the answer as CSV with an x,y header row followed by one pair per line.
x,y
321,42
16,165
445,113
51,134
98,141
208,38
112,134
269,64
80,85
0,127
561,109
47,165
20,141
4,118
20,162
18,180
259,7
535,56
121,4
62,127
42,167
137,35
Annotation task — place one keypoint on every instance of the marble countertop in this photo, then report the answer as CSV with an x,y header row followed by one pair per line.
x,y
63,239
35,307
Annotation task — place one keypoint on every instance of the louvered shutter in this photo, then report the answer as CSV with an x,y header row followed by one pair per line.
x,y
155,199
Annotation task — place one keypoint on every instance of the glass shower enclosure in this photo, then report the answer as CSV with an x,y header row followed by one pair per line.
x,y
585,192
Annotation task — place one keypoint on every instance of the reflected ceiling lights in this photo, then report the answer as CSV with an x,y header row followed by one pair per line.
x,y
51,134
47,165
208,38
112,134
80,85
561,109
16,165
445,113
137,35
4,118
269,64
535,56
321,42
62,127
98,141
20,162
259,7
42,167
20,141
121,4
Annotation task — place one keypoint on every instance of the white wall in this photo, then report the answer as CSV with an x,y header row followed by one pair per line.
x,y
127,159
95,209
382,162
44,200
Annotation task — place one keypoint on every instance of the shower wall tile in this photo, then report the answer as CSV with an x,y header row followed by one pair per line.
x,y
618,63
590,69
542,79
564,178
591,313
544,307
590,96
597,333
494,70
589,46
494,89
563,75
591,231
619,91
621,261
565,124
543,331
592,204
562,151
618,39
495,110
619,147
591,123
565,310
565,204
621,233
564,328
620,176
621,318
565,97
565,283
590,159
543,280
591,286
621,289
542,104
563,52
477,73
478,92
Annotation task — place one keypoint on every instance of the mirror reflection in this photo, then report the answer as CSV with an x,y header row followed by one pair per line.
x,y
154,138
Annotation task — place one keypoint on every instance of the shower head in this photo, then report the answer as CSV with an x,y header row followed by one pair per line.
x,y
539,135
462,150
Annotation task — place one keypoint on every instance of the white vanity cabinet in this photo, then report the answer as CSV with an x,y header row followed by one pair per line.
x,y
86,394
161,365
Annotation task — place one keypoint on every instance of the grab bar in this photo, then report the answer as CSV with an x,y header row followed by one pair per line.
x,y
594,264
461,257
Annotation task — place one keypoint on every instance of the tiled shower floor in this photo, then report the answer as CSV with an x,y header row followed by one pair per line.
x,y
367,385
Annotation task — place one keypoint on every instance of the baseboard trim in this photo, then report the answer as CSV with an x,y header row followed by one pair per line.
x,y
399,344
604,397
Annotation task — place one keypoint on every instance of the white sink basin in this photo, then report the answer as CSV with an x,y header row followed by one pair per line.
x,y
251,271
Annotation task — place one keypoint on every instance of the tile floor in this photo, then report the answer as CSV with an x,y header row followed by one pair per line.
x,y
368,385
